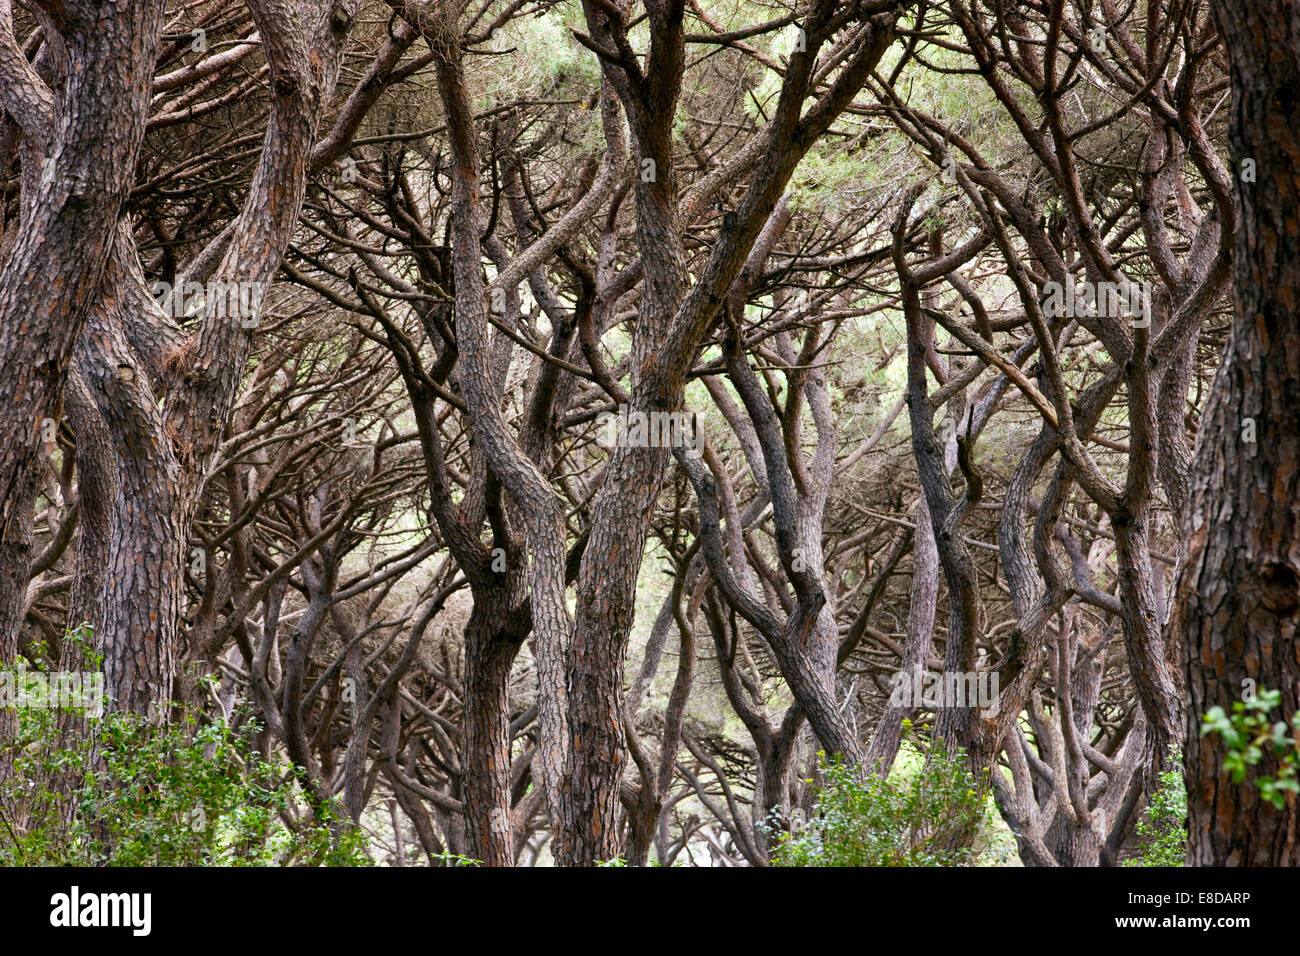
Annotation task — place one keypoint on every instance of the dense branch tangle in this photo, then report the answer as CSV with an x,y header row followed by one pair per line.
x,y
391,515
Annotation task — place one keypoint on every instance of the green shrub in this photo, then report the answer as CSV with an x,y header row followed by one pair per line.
x,y
447,858
934,815
119,791
1247,734
1162,831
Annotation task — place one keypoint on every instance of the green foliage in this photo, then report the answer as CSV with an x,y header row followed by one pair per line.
x,y
935,816
1247,734
120,791
447,858
1162,831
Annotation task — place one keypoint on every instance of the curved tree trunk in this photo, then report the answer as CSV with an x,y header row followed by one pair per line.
x,y
87,138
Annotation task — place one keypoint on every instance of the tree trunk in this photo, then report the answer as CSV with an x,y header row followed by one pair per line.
x,y
485,760
88,142
1239,593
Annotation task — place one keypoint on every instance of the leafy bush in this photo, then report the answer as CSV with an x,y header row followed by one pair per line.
x,y
118,791
1162,831
934,816
447,858
1246,732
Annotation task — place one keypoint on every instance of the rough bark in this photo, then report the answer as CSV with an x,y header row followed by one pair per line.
x,y
1239,592
166,398
86,141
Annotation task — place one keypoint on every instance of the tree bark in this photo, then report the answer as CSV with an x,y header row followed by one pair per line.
x,y
86,145
1239,592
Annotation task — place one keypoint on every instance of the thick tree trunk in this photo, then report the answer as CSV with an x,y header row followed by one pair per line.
x,y
165,448
1239,593
485,752
139,604
89,138
606,603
